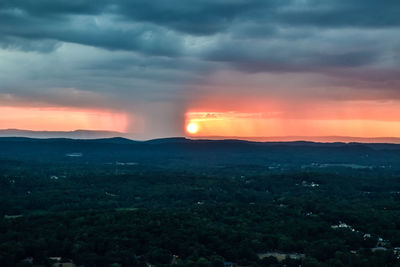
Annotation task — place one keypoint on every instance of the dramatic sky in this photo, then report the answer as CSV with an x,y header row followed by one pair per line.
x,y
230,67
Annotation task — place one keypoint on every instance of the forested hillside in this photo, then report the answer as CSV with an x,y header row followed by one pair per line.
x,y
178,202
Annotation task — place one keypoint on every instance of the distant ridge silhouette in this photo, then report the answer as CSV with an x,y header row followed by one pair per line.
x,y
77,134
322,139
93,134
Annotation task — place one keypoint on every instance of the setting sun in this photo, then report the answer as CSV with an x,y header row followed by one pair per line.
x,y
192,128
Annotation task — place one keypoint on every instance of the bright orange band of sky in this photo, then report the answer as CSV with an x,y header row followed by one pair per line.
x,y
352,119
255,125
61,119
246,116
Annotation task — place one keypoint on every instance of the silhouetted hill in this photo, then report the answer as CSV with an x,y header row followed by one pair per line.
x,y
322,139
78,134
170,140
114,140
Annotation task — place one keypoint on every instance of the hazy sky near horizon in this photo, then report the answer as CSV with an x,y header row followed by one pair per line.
x,y
232,67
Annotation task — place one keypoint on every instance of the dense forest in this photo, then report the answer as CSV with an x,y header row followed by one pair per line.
x,y
177,202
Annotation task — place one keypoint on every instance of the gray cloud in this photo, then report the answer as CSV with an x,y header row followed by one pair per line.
x,y
342,13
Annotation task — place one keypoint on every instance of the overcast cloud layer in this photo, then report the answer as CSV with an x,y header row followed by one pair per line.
x,y
152,59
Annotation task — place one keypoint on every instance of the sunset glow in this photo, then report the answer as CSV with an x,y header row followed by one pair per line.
x,y
61,119
232,124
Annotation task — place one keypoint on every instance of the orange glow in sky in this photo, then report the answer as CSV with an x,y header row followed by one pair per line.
x,y
241,124
272,115
61,119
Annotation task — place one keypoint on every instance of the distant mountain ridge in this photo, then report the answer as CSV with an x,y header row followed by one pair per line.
x,y
93,134
321,139
77,134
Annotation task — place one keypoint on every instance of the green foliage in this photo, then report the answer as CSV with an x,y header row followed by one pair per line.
x,y
100,213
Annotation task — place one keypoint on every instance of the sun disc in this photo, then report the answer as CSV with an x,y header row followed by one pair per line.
x,y
192,128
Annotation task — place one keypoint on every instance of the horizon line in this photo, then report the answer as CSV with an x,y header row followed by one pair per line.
x,y
314,139
124,134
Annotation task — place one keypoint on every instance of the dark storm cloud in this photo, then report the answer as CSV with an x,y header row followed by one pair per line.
x,y
157,28
342,13
198,17
254,32
208,16
288,55
51,8
202,17
148,39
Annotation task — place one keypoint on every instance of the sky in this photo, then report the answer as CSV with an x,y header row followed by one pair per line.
x,y
243,68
